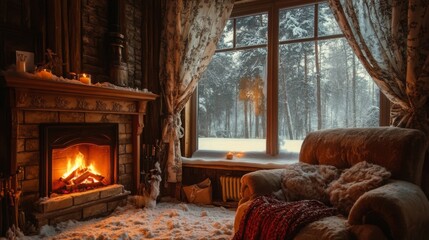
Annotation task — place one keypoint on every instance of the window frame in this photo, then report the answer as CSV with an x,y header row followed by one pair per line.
x,y
272,8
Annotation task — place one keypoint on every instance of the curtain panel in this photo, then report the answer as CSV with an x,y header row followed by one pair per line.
x,y
191,30
391,39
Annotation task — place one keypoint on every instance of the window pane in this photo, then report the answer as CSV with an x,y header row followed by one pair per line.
x,y
232,102
327,23
348,96
226,40
296,23
252,30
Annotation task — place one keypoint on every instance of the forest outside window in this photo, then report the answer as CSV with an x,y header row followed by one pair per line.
x,y
319,83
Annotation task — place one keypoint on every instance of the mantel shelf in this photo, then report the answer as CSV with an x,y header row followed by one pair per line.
x,y
30,81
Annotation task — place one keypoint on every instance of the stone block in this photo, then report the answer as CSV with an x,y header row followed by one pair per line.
x,y
70,216
30,185
122,128
111,190
56,203
125,158
28,131
121,169
27,158
31,172
74,117
85,197
122,148
129,168
40,117
20,145
94,210
32,144
129,148
113,205
128,128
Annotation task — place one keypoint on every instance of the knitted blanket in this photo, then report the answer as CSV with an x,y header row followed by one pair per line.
x,y
269,218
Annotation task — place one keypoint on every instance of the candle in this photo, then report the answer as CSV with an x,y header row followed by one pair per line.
x,y
229,156
20,67
85,78
45,74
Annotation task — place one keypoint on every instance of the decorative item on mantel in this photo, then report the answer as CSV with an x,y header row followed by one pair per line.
x,y
85,78
44,70
230,156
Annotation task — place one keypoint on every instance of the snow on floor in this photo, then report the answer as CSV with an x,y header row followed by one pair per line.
x,y
167,220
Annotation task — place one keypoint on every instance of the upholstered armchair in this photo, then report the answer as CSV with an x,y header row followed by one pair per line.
x,y
398,209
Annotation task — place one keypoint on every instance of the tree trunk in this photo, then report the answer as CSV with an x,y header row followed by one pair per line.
x,y
318,94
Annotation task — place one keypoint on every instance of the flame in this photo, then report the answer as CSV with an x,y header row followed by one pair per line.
x,y
79,163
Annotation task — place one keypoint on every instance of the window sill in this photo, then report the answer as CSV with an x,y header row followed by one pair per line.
x,y
244,162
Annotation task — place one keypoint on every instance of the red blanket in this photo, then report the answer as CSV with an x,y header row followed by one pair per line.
x,y
268,218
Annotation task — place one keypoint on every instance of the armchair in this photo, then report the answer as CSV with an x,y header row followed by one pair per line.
x,y
396,210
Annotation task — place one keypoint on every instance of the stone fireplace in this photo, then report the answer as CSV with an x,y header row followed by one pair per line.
x,y
56,123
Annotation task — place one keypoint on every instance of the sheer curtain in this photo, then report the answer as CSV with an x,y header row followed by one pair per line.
x,y
391,39
191,31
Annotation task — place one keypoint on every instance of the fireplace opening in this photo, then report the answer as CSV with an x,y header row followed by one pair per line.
x,y
77,157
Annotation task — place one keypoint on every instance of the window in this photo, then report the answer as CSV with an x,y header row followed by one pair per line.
x,y
305,80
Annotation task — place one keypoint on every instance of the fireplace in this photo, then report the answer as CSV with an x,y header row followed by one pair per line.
x,y
77,157
50,122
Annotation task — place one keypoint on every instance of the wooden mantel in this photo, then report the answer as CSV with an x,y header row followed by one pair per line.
x,y
30,92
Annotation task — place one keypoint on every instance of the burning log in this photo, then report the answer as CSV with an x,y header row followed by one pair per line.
x,y
81,178
70,176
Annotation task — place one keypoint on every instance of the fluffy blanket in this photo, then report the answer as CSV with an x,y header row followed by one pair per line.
x,y
269,218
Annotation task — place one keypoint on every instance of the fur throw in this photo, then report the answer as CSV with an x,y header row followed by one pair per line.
x,y
305,181
354,182
329,185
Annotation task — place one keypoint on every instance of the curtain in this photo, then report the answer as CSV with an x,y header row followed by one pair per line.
x,y
191,30
391,39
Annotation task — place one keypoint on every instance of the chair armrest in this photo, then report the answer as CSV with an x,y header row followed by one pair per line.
x,y
399,208
261,182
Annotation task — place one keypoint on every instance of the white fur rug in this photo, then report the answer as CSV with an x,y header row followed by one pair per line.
x,y
168,220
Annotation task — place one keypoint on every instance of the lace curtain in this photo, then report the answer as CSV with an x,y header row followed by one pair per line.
x,y
391,39
191,31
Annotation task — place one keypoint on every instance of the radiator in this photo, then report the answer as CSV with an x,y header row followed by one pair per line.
x,y
230,188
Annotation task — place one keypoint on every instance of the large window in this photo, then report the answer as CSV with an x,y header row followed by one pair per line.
x,y
318,82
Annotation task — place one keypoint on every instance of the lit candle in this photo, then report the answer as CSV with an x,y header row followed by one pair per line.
x,y
229,156
85,78
45,74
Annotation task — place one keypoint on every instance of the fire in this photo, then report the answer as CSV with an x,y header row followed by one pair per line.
x,y
78,166
78,176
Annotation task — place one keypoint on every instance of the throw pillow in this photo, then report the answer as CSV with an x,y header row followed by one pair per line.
x,y
354,182
302,181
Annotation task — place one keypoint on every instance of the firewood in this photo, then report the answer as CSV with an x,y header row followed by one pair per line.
x,y
97,177
89,185
70,176
58,185
82,177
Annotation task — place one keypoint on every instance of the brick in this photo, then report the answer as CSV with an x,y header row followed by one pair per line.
x,y
129,148
129,168
122,128
121,169
121,148
111,190
56,203
28,131
20,116
40,117
30,185
65,217
94,210
85,197
125,158
128,128
20,147
31,172
126,180
32,144
124,139
27,158
75,117
113,205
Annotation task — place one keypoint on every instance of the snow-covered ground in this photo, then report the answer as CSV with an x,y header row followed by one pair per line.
x,y
168,220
